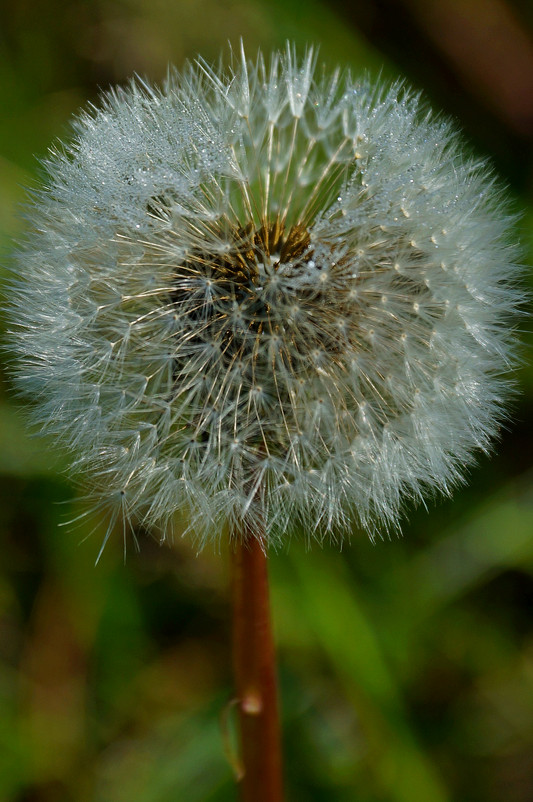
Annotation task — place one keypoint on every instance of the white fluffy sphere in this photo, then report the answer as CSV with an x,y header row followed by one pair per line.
x,y
265,299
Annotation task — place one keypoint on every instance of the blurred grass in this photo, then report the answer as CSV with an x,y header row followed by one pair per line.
x,y
406,667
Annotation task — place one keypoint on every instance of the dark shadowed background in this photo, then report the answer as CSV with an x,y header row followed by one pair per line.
x,y
406,667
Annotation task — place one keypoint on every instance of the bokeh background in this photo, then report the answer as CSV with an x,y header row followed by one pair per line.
x,y
406,667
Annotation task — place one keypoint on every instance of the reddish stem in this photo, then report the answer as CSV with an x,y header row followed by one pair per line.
x,y
255,675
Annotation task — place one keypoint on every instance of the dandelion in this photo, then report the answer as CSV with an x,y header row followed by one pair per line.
x,y
266,299
271,298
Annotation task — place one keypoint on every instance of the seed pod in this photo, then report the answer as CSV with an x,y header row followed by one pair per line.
x,y
265,295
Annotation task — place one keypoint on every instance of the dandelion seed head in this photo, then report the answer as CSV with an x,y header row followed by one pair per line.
x,y
267,297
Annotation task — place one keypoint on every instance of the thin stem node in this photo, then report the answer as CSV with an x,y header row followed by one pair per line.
x,y
255,674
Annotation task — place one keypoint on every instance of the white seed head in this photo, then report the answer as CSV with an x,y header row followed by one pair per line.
x,y
266,299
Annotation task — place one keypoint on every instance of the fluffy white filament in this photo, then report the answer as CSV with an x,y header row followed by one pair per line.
x,y
268,297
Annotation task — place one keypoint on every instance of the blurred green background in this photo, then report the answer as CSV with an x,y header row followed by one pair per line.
x,y
406,667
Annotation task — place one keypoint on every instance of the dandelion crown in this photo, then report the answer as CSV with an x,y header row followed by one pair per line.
x,y
268,298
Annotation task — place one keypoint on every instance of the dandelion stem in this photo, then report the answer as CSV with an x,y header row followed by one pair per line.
x,y
255,674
